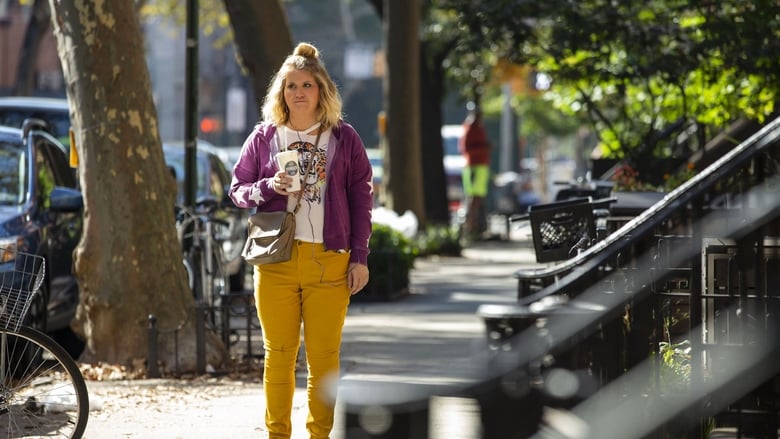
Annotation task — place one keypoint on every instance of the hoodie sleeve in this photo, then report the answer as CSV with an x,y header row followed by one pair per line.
x,y
361,198
252,182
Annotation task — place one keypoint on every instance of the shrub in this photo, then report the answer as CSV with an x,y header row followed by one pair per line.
x,y
390,261
440,240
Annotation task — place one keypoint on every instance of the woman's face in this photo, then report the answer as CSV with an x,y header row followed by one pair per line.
x,y
302,96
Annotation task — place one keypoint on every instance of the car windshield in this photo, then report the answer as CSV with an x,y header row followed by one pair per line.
x,y
59,122
13,174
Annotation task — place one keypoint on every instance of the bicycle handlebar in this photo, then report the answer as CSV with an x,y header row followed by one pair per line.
x,y
202,212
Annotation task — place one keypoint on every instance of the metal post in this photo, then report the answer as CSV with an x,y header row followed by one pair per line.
x,y
191,104
151,367
177,369
224,310
248,311
507,131
200,339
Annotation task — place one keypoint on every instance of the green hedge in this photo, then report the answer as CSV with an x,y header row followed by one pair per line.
x,y
390,261
393,254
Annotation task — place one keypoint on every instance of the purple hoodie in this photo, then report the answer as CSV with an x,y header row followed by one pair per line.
x,y
348,198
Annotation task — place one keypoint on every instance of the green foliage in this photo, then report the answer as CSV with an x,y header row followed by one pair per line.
x,y
675,366
440,240
213,20
540,116
460,35
385,238
390,261
638,72
393,254
637,69
671,181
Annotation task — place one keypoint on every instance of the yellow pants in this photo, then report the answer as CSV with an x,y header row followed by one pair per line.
x,y
311,289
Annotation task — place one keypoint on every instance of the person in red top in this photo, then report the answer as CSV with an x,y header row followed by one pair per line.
x,y
475,147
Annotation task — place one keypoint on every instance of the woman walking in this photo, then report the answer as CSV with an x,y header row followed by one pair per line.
x,y
302,112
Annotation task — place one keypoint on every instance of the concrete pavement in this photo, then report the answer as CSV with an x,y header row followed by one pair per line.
x,y
430,340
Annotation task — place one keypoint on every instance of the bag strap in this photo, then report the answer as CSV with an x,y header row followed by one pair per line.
x,y
306,174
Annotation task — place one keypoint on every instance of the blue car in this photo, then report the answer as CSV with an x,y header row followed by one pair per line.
x,y
14,110
41,212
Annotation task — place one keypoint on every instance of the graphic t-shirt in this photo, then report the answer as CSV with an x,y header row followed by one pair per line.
x,y
310,217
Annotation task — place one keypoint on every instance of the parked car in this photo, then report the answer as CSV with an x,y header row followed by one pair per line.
x,y
41,212
454,162
54,111
213,182
229,155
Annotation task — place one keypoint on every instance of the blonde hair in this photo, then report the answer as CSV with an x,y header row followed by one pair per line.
x,y
304,57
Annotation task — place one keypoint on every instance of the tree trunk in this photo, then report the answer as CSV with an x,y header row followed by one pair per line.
x,y
128,262
405,189
431,120
262,38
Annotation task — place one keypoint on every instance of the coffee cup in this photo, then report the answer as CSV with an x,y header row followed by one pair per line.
x,y
288,161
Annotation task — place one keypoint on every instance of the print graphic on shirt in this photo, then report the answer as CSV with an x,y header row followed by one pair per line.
x,y
315,179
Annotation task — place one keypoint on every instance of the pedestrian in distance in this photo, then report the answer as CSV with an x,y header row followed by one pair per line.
x,y
475,147
302,112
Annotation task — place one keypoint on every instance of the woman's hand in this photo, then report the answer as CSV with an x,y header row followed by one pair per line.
x,y
282,182
357,277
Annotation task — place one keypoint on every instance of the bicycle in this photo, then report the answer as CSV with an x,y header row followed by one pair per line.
x,y
204,261
42,390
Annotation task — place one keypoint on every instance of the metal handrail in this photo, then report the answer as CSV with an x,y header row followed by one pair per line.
x,y
651,218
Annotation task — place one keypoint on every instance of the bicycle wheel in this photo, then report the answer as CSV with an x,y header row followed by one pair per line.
x,y
188,268
194,274
219,286
43,398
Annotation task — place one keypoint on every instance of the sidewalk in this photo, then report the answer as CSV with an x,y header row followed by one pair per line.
x,y
430,339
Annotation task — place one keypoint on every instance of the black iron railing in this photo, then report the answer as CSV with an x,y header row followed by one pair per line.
x,y
697,271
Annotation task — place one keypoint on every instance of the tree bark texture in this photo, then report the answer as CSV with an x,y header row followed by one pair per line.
x,y
402,97
262,38
128,262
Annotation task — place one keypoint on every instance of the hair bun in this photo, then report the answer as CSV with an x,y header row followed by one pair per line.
x,y
306,50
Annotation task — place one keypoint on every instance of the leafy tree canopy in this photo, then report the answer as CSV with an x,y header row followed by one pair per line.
x,y
212,17
641,72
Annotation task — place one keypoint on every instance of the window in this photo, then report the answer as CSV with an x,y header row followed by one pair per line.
x,y
59,121
13,174
57,162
